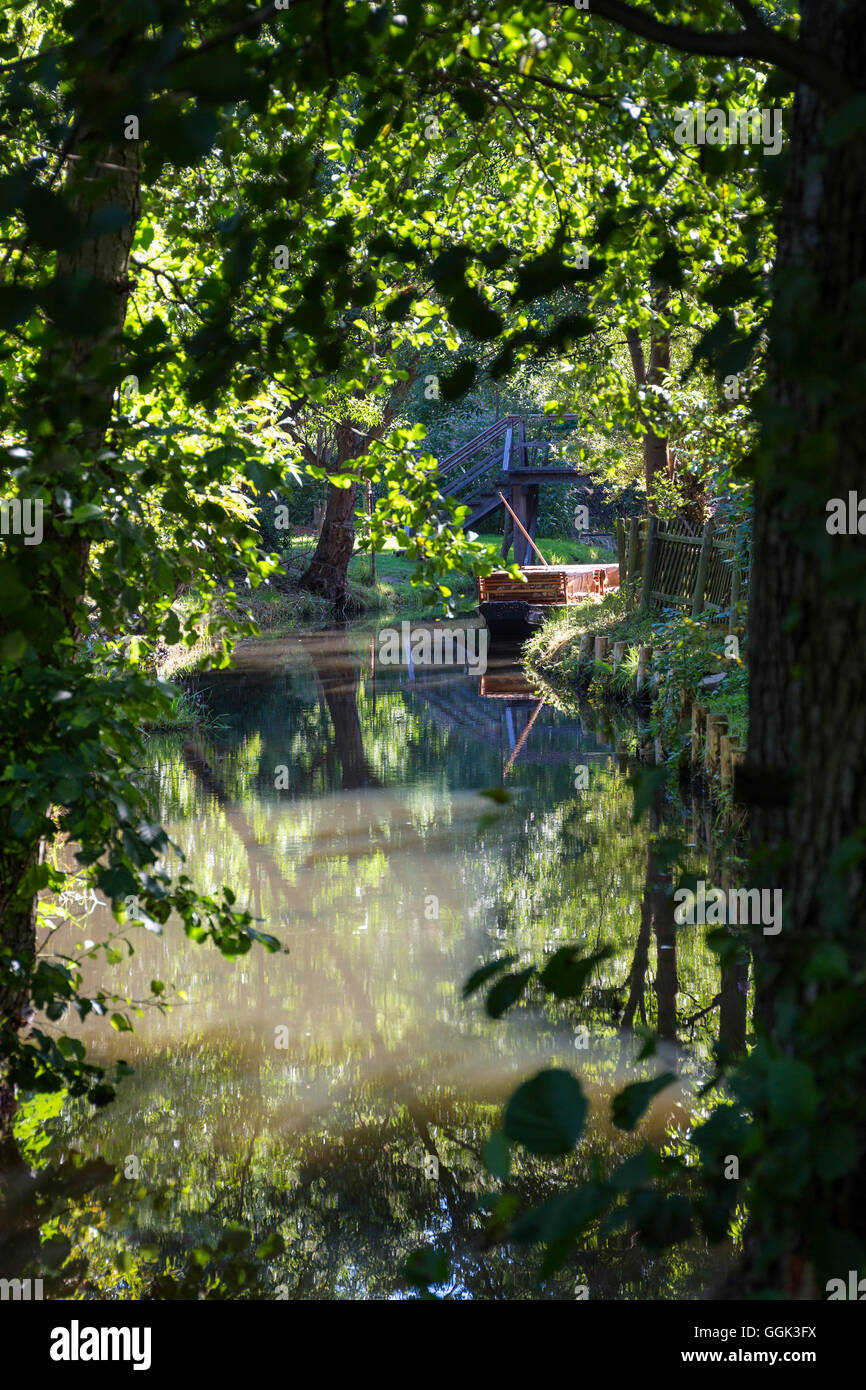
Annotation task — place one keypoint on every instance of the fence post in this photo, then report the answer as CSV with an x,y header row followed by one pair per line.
x,y
735,594
703,567
698,716
631,560
644,657
717,724
648,564
620,554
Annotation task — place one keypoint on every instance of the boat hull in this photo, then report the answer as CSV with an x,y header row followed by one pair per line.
x,y
511,621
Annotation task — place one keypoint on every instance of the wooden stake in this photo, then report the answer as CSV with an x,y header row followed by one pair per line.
x,y
698,716
644,657
648,565
716,726
728,745
631,561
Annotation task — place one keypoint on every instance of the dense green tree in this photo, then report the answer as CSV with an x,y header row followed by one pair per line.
x,y
189,144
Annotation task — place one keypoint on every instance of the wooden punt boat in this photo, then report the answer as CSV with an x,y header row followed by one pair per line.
x,y
512,609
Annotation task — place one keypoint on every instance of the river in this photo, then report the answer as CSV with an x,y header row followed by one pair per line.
x,y
394,829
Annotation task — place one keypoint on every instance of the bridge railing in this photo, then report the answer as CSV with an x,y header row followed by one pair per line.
x,y
504,446
478,442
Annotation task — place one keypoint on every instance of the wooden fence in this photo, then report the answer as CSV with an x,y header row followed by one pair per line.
x,y
673,565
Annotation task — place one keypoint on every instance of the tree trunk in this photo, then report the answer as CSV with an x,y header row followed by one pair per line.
x,y
76,388
656,455
339,681
807,738
327,572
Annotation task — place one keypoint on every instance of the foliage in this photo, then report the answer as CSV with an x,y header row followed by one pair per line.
x,y
303,178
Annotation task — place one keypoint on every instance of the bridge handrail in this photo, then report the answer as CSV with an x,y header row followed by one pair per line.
x,y
478,441
472,476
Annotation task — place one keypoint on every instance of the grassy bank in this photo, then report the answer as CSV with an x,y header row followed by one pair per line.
x,y
693,659
282,609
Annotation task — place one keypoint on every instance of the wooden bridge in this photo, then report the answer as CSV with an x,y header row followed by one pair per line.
x,y
502,459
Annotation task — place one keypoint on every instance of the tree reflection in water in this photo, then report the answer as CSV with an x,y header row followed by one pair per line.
x,y
296,1097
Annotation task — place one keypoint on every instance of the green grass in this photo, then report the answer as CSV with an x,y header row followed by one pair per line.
x,y
188,710
553,648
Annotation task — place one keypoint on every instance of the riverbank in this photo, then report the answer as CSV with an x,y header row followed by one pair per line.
x,y
282,609
689,674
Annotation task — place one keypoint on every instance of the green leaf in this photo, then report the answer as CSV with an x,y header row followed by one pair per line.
x,y
272,1245
547,1113
660,1220
234,1239
486,972
497,1156
566,973
733,287
565,1215
458,382
171,628
792,1091
471,102
426,1266
505,992
629,1105
13,645
634,1171
87,511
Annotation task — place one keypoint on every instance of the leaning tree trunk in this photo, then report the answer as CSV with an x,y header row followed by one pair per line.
x,y
327,572
806,769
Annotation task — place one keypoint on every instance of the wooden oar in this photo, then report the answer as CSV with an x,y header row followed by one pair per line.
x,y
519,523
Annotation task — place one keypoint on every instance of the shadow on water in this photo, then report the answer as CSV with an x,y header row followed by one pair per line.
x,y
308,1096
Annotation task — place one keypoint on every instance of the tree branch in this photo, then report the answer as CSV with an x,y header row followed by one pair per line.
x,y
254,20
550,82
755,41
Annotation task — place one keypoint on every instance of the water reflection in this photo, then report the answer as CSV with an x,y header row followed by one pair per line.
x,y
301,1093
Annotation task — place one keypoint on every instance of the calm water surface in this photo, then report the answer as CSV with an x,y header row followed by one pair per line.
x,y
305,1092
